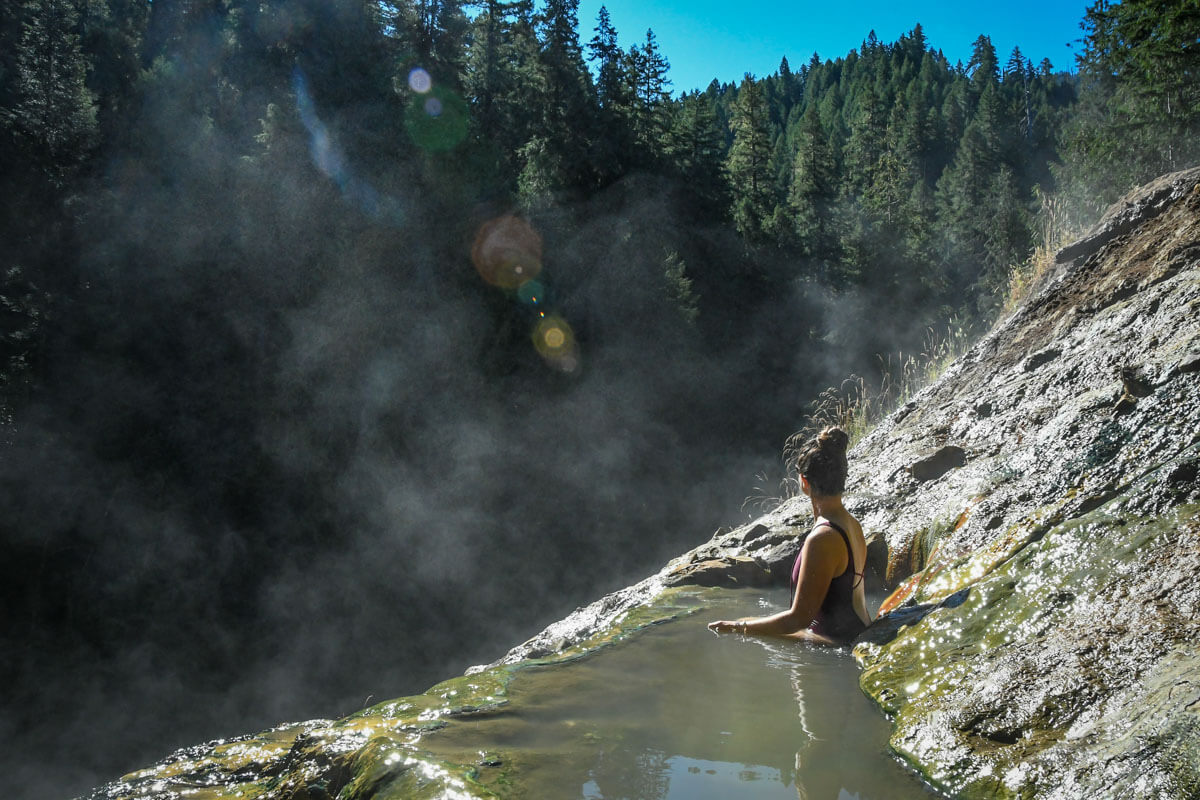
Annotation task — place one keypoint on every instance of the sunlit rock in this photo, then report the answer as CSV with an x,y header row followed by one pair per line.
x,y
1042,645
737,571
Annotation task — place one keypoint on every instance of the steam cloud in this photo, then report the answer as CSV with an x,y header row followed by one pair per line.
x,y
293,452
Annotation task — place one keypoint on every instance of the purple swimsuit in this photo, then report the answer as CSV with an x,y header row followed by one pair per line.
x,y
836,619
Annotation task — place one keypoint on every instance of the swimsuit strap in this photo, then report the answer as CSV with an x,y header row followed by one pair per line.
x,y
858,576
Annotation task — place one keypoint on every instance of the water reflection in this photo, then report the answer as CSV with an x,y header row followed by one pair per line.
x,y
685,778
828,706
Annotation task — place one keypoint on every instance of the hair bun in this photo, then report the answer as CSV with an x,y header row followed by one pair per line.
x,y
834,439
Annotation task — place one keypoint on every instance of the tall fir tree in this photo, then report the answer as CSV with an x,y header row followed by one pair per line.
x,y
432,36
867,142
567,101
648,95
696,150
752,184
503,73
605,51
613,142
813,195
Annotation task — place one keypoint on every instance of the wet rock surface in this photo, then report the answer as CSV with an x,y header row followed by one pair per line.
x,y
1046,643
381,752
1035,513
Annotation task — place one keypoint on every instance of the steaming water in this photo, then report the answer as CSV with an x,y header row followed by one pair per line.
x,y
679,713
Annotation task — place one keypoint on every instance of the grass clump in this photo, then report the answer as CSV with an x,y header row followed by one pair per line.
x,y
1056,228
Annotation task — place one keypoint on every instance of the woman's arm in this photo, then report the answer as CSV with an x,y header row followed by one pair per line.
x,y
823,557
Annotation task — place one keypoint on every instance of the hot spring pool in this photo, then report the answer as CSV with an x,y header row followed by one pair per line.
x,y
678,713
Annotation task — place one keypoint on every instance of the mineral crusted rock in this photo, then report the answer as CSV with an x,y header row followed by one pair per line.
x,y
1042,646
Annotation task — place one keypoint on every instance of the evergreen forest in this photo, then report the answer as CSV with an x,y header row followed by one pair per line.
x,y
345,343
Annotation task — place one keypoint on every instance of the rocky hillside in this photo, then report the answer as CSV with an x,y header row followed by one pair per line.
x,y
1047,490
1036,512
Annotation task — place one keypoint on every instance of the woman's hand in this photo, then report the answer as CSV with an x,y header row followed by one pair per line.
x,y
727,626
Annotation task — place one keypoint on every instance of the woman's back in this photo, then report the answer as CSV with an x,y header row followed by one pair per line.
x,y
828,601
839,617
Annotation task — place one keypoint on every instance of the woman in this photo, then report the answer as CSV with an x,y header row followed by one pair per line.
x,y
828,603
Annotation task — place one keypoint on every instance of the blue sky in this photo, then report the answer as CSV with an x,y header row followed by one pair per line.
x,y
705,39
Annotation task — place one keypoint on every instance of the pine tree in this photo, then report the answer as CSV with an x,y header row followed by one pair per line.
x,y
1140,111
814,193
977,193
983,67
111,39
604,50
649,95
53,115
1017,82
484,81
914,131
866,143
697,151
752,185
566,99
789,86
679,288
504,71
441,30
613,142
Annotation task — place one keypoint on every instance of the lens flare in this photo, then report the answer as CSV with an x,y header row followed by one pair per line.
x,y
531,293
332,162
507,252
555,342
437,120
420,81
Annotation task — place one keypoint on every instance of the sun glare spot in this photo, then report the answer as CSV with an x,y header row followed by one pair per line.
x,y
552,336
420,81
507,252
555,342
437,118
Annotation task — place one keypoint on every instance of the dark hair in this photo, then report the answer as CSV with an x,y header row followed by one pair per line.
x,y
823,462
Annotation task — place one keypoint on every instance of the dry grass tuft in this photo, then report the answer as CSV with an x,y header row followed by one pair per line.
x,y
857,405
1057,229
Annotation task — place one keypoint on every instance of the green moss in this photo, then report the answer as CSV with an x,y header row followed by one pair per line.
x,y
403,767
